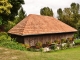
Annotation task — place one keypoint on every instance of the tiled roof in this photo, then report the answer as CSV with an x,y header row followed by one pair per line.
x,y
38,24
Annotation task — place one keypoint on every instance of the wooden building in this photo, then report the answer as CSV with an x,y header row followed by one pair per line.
x,y
38,28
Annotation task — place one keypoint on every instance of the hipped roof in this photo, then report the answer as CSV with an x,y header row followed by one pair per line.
x,y
38,24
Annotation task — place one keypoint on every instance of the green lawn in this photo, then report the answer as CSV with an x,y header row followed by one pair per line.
x,y
68,54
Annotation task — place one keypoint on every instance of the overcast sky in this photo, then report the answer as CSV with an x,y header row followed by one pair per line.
x,y
34,6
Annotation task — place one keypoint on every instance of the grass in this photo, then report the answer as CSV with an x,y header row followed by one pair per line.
x,y
68,54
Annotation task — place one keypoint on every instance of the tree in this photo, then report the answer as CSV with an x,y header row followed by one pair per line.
x,y
8,11
75,11
75,8
69,15
5,7
46,11
21,15
60,13
9,25
78,28
16,6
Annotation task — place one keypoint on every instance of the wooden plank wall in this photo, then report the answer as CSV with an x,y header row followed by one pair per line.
x,y
32,40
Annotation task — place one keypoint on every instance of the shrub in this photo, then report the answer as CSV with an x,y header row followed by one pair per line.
x,y
4,37
63,40
38,45
71,40
57,41
68,41
7,41
9,25
27,45
68,44
48,43
77,42
53,46
12,45
64,45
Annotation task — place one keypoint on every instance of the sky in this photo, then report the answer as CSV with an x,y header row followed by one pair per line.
x,y
34,6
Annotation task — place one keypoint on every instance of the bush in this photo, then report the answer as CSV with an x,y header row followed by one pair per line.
x,y
63,40
48,43
27,45
64,46
77,42
9,25
57,41
4,37
7,41
13,45
38,45
70,40
53,46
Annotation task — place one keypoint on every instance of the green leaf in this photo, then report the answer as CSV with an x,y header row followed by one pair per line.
x,y
1,20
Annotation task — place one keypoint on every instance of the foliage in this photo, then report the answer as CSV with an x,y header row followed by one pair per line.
x,y
53,46
57,41
16,6
48,43
7,41
75,8
46,11
27,45
78,28
21,15
9,25
1,20
18,18
8,11
38,45
77,42
5,7
4,37
13,45
64,46
69,15
63,40
60,13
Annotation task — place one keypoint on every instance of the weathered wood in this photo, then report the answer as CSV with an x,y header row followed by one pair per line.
x,y
32,40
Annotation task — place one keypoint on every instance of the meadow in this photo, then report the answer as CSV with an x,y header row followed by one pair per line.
x,y
67,54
